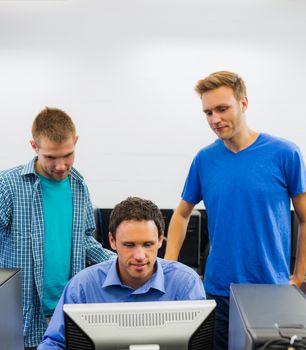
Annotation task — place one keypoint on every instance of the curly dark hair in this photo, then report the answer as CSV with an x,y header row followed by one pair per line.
x,y
138,209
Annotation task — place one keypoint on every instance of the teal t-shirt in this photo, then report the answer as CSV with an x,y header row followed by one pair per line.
x,y
57,205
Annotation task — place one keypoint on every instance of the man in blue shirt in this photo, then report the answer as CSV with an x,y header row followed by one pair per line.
x,y
246,180
136,233
46,221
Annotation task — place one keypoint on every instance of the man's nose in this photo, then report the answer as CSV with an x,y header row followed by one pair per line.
x,y
215,118
60,164
139,253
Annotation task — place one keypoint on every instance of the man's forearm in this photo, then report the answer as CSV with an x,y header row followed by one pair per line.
x,y
300,263
95,253
175,237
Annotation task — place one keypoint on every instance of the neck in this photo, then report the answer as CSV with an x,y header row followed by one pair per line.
x,y
38,168
241,140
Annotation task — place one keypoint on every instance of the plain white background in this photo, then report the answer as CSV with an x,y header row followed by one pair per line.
x,y
125,71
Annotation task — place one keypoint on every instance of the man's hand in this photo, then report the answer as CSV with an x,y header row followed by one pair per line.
x,y
294,280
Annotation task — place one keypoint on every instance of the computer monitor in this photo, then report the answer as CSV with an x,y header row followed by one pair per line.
x,y
262,313
190,251
163,325
11,318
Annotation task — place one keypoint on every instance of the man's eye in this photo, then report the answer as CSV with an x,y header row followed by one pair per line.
x,y
222,109
149,244
128,245
68,155
208,113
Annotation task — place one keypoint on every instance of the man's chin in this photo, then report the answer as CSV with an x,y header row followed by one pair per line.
x,y
140,268
59,176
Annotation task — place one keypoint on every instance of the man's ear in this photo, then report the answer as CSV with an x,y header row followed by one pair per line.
x,y
244,103
160,240
112,241
34,146
76,139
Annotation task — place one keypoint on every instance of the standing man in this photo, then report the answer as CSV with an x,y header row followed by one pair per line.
x,y
46,221
246,180
136,233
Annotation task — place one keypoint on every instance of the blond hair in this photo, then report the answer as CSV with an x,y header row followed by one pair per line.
x,y
222,78
54,124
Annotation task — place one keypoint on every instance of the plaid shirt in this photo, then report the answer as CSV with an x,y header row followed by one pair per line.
x,y
22,238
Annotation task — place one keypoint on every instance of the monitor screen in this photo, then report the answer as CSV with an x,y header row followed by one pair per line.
x,y
11,318
162,325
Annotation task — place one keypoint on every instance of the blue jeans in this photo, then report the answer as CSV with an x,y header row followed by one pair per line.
x,y
221,321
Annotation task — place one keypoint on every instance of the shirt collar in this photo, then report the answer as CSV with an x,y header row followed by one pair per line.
x,y
155,282
29,168
112,277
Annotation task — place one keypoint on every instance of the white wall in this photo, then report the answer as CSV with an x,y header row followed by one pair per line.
x,y
125,71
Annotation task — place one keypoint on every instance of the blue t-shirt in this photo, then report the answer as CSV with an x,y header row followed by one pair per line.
x,y
247,198
57,207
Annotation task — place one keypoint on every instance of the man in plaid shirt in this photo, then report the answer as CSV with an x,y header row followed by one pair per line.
x,y
46,221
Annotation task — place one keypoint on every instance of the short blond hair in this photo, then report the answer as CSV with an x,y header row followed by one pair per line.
x,y
54,124
222,78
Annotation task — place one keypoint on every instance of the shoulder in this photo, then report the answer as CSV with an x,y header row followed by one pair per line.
x,y
100,268
215,146
86,284
15,177
97,272
77,181
181,281
19,171
177,270
76,175
12,172
284,151
277,142
209,151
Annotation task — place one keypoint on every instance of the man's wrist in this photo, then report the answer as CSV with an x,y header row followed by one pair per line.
x,y
297,280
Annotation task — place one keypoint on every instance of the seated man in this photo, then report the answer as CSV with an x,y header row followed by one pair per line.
x,y
136,233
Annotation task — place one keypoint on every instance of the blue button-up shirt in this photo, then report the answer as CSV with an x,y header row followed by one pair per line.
x,y
22,237
101,284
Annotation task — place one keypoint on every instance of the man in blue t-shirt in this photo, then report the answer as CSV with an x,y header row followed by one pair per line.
x,y
136,233
246,180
